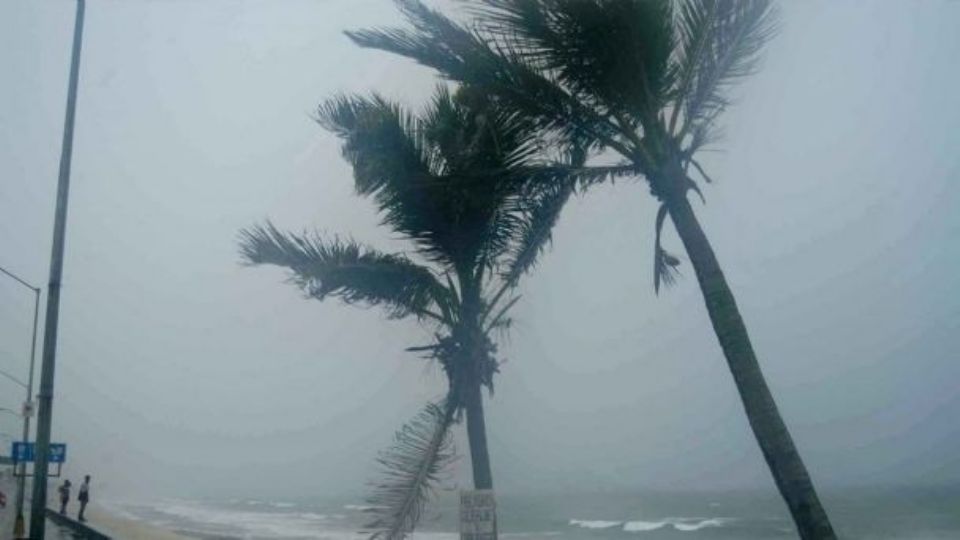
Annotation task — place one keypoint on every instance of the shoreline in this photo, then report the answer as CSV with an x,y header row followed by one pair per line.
x,y
118,526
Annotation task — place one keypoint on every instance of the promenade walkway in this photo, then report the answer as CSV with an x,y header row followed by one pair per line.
x,y
60,527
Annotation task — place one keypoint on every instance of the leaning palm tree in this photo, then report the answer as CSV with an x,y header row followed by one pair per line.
x,y
643,80
452,182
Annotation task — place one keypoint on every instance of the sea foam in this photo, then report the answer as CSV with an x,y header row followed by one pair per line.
x,y
683,524
595,524
697,525
679,523
640,526
361,507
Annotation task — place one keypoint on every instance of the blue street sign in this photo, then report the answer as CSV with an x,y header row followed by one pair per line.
x,y
58,453
26,452
22,452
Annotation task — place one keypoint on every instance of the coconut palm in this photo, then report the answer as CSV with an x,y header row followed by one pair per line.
x,y
645,81
450,181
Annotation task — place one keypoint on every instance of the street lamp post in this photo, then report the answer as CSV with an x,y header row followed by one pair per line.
x,y
38,509
22,479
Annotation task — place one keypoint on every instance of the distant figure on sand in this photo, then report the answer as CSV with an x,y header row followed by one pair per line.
x,y
84,496
64,490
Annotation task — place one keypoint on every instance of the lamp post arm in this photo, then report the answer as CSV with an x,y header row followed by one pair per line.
x,y
22,282
12,378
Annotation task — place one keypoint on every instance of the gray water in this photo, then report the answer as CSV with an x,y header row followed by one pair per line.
x,y
887,513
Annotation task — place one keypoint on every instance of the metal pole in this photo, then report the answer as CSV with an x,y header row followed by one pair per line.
x,y
39,503
28,386
22,481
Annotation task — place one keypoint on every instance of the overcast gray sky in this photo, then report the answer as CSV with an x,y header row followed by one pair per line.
x,y
835,216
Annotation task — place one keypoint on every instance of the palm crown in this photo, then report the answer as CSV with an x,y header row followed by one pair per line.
x,y
644,78
453,181
624,74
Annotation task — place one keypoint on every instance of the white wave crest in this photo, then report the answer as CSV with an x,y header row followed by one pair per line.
x,y
640,526
703,524
679,523
361,507
594,524
683,524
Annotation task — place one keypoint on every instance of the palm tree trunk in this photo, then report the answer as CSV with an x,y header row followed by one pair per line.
x,y
477,437
789,472
472,339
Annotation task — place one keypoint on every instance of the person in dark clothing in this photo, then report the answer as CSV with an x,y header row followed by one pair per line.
x,y
64,490
84,497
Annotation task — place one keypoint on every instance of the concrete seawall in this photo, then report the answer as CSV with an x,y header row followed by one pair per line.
x,y
79,530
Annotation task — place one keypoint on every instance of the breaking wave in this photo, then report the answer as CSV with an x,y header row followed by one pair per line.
x,y
598,524
682,524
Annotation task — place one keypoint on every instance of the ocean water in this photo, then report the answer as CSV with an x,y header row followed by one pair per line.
x,y
901,513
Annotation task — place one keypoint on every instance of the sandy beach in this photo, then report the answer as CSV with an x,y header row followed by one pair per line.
x,y
120,527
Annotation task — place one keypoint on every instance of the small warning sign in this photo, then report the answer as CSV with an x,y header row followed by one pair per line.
x,y
478,515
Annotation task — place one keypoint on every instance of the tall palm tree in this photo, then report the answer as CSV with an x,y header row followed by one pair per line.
x,y
646,81
452,182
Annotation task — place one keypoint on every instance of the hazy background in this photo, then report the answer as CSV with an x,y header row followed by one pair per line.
x,y
835,217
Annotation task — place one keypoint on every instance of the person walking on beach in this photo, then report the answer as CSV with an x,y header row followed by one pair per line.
x,y
84,497
64,490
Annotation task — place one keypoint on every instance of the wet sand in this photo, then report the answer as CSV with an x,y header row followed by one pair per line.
x,y
123,528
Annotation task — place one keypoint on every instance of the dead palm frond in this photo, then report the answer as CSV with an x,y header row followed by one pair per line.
x,y
412,467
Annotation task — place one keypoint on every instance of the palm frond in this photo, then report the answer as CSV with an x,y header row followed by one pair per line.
x,y
543,202
695,23
694,187
540,216
664,264
443,179
435,40
382,141
703,173
500,320
502,328
720,43
412,467
546,176
345,270
396,164
484,147
612,55
498,67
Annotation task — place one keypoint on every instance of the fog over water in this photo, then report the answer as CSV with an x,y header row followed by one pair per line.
x,y
835,216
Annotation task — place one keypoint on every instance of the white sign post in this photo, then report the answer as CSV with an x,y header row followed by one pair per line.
x,y
478,515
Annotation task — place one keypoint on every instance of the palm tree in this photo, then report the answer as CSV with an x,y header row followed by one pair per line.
x,y
644,80
452,182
